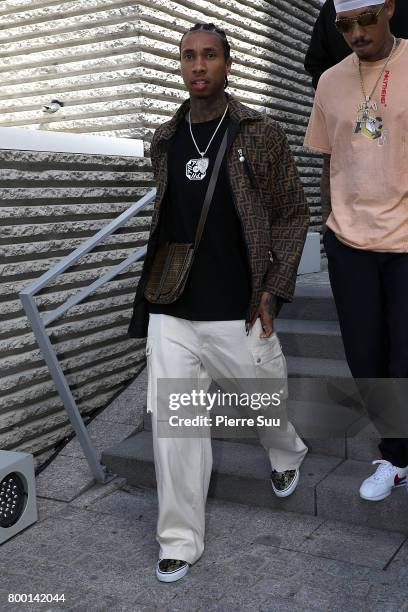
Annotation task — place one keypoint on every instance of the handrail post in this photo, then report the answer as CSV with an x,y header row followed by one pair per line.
x,y
63,389
39,323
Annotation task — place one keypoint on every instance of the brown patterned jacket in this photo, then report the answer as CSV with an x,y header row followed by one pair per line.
x,y
268,196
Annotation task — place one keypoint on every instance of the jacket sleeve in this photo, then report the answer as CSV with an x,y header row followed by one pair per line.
x,y
288,217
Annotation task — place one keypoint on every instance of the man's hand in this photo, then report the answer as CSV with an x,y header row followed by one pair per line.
x,y
267,312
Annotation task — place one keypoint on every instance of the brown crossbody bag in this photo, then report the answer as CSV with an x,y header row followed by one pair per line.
x,y
173,261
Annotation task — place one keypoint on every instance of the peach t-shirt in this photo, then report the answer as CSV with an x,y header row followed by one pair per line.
x,y
369,160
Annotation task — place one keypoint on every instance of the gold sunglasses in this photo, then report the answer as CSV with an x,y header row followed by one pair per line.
x,y
346,24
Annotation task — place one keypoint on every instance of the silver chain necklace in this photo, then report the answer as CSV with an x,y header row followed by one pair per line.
x,y
196,169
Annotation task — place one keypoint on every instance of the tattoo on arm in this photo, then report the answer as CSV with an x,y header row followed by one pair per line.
x,y
271,305
325,189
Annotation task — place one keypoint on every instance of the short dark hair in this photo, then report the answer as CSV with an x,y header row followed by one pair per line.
x,y
211,27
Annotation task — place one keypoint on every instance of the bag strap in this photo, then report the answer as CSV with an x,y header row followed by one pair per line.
x,y
210,189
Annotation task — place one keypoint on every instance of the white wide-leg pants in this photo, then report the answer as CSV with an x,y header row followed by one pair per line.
x,y
204,351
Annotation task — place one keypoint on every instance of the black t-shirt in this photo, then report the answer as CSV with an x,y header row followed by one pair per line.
x,y
218,287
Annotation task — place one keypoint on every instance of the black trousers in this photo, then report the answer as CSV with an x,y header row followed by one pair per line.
x,y
370,290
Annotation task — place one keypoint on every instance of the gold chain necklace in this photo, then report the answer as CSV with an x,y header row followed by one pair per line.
x,y
367,98
371,124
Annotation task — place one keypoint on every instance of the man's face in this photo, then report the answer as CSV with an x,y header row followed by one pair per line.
x,y
367,42
203,65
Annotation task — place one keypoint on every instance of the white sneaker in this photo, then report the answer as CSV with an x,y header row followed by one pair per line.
x,y
381,483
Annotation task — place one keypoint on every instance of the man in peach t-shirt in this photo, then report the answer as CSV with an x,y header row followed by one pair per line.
x,y
359,122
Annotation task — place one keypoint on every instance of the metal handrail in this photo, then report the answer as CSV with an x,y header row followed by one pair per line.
x,y
39,323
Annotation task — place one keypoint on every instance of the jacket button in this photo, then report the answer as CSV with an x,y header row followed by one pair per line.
x,y
258,360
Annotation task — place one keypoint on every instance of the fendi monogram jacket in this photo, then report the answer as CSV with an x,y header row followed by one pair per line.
x,y
269,199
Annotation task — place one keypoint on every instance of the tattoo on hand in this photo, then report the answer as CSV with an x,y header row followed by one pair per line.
x,y
271,303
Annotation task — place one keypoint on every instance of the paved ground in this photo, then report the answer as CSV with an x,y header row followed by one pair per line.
x,y
95,544
99,551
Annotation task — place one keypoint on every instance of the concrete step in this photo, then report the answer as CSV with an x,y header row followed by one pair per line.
x,y
240,472
310,338
311,367
328,486
337,498
309,376
362,442
351,439
313,302
331,446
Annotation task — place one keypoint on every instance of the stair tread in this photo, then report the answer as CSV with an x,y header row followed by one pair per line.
x,y
233,458
338,499
334,437
317,367
303,326
314,291
328,485
311,302
252,460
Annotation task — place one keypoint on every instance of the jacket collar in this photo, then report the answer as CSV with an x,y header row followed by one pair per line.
x,y
237,111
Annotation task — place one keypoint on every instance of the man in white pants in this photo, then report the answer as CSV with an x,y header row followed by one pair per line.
x,y
221,327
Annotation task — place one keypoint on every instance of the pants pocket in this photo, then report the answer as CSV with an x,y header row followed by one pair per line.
x,y
264,350
268,357
271,376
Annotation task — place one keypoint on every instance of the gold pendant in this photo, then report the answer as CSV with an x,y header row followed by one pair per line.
x,y
369,126
368,123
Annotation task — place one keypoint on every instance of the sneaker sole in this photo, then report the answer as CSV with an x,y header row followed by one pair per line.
x,y
172,576
381,497
289,490
378,498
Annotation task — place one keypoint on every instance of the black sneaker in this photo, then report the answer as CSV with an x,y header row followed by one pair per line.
x,y
284,483
170,570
